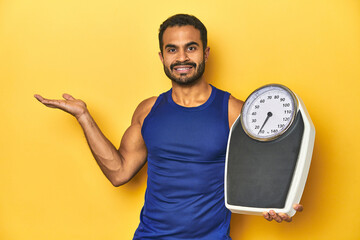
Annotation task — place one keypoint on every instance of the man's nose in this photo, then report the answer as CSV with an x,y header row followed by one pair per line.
x,y
182,56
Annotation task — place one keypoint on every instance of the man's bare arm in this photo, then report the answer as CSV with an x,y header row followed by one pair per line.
x,y
235,106
118,165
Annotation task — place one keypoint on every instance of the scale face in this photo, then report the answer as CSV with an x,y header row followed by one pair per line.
x,y
268,112
269,152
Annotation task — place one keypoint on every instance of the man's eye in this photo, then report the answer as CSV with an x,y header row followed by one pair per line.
x,y
191,48
171,50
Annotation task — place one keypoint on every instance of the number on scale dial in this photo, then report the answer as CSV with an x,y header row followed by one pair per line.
x,y
268,112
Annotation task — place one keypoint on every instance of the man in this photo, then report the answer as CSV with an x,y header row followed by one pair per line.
x,y
182,134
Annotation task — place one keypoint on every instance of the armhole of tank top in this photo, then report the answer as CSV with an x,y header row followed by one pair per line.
x,y
226,109
153,108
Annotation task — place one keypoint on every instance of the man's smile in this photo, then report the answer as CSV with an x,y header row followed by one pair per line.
x,y
183,69
185,72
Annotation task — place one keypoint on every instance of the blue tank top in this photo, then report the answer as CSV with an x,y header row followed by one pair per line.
x,y
186,147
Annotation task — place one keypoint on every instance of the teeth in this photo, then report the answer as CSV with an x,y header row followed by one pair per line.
x,y
180,69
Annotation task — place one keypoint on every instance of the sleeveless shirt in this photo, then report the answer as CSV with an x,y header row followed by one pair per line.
x,y
186,147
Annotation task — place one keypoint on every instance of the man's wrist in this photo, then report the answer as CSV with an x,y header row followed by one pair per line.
x,y
83,117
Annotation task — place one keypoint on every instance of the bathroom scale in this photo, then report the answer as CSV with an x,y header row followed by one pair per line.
x,y
269,152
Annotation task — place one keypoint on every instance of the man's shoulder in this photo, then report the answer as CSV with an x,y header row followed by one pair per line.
x,y
143,109
235,103
148,103
235,106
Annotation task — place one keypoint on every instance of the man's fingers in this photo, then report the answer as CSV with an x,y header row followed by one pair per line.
x,y
49,102
285,217
275,216
38,97
68,96
267,216
298,207
279,217
42,100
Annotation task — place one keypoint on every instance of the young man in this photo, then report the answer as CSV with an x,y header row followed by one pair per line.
x,y
182,134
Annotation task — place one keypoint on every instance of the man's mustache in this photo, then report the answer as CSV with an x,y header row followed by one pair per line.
x,y
182,63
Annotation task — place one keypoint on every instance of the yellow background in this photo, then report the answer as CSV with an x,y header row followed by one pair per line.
x,y
105,52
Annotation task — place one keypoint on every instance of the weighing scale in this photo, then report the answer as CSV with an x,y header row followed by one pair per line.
x,y
269,152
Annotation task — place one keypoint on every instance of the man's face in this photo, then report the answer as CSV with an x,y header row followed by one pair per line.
x,y
183,56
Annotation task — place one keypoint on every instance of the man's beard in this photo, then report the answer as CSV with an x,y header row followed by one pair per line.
x,y
183,80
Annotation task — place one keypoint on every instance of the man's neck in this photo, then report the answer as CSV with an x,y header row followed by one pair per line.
x,y
191,96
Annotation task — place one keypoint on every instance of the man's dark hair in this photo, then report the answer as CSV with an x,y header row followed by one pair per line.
x,y
183,20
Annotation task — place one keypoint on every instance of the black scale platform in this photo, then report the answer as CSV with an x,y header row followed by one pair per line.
x,y
261,178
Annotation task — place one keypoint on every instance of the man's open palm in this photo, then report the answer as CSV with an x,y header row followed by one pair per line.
x,y
75,107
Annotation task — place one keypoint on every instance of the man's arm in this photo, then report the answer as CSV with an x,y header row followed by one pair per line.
x,y
235,106
118,165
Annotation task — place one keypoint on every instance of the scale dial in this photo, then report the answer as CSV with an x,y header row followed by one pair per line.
x,y
268,112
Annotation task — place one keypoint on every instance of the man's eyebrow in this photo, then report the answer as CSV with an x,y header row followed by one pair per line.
x,y
192,43
170,46
186,45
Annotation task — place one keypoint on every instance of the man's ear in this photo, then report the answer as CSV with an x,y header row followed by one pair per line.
x,y
161,57
206,53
